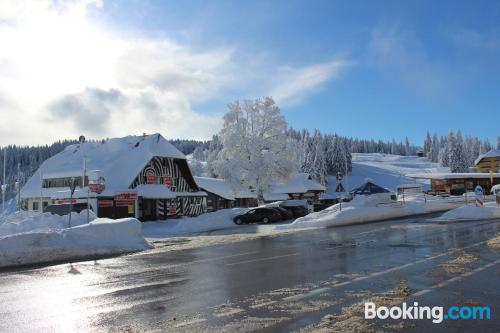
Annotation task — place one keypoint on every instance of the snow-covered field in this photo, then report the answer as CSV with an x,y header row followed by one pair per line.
x,y
385,170
28,238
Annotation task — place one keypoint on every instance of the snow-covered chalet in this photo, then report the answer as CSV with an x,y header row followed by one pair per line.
x,y
298,186
139,176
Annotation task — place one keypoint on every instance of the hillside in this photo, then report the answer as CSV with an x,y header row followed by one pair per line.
x,y
384,169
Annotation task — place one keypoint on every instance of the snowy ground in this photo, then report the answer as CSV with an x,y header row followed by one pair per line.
x,y
28,238
385,170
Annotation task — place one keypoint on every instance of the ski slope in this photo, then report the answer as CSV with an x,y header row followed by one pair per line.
x,y
385,170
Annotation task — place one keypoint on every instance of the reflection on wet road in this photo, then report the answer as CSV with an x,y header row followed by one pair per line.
x,y
310,280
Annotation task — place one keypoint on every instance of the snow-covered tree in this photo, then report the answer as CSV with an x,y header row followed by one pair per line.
x,y
256,149
427,144
196,167
214,149
199,154
458,157
319,170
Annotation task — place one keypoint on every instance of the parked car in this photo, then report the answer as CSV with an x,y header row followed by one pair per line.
x,y
286,214
264,215
297,211
64,209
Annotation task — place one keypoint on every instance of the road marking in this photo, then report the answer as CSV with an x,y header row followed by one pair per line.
x,y
190,322
228,313
456,278
262,259
309,294
260,305
369,276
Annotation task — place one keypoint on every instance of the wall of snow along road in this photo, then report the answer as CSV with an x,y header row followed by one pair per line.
x,y
29,238
467,213
219,220
363,209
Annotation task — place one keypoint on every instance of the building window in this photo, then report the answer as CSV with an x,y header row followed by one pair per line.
x,y
35,205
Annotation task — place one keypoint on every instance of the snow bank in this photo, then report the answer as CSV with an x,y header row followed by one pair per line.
x,y
37,238
364,209
221,219
28,221
465,213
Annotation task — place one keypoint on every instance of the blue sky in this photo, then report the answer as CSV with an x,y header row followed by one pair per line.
x,y
370,69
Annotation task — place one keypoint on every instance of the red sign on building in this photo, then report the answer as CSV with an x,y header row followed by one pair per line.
x,y
167,180
172,210
122,203
66,201
105,203
150,177
126,196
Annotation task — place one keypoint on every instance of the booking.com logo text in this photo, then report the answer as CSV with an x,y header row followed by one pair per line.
x,y
436,313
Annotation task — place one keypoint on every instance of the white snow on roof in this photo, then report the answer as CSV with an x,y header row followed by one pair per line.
x,y
120,160
270,196
217,186
155,191
298,183
491,153
244,193
450,175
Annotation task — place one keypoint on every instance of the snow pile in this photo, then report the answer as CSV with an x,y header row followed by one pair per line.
x,y
38,238
29,221
8,208
361,210
466,213
371,208
221,219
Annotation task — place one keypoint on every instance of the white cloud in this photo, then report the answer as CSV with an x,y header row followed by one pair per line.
x,y
295,84
65,75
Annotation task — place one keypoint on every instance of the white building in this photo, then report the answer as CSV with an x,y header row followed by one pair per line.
x,y
145,176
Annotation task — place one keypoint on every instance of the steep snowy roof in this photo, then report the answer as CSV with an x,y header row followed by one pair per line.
x,y
491,153
369,188
297,183
120,160
216,186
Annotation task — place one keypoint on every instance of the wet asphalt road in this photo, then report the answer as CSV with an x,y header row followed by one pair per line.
x,y
309,280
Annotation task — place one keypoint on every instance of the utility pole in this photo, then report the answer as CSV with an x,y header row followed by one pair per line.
x,y
4,185
18,187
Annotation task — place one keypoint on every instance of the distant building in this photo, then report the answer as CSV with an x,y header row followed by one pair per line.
x,y
458,183
489,162
298,186
144,177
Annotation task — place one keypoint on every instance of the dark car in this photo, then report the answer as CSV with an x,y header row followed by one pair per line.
x,y
297,211
264,215
65,208
285,213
